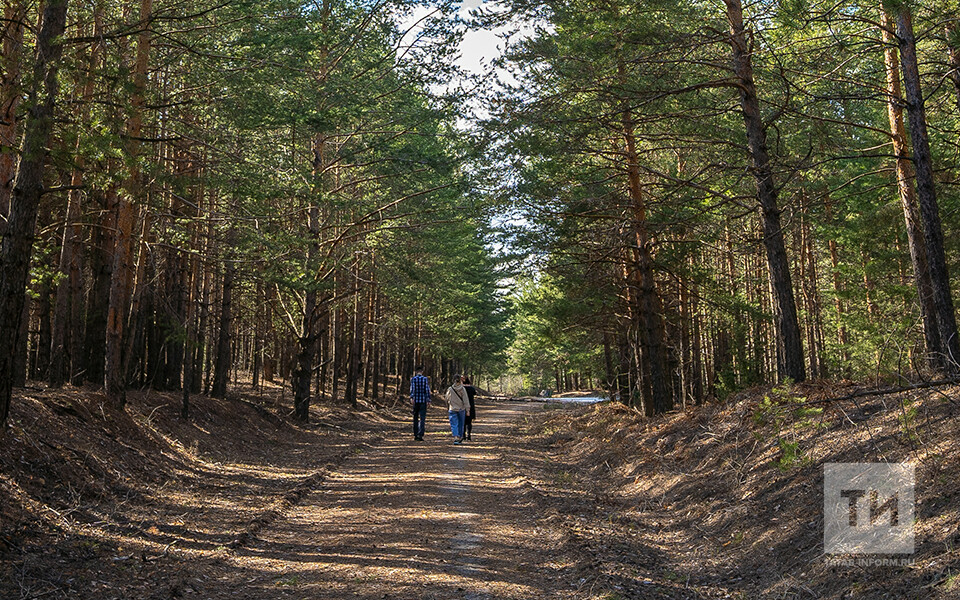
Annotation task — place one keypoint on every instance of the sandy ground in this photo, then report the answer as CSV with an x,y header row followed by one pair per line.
x,y
548,500
408,520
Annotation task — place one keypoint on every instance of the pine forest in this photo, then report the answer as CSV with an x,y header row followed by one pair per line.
x,y
287,206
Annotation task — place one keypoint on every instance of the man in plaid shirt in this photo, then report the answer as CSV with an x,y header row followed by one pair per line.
x,y
420,397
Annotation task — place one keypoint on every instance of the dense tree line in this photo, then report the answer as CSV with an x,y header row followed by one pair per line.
x,y
697,196
201,194
720,195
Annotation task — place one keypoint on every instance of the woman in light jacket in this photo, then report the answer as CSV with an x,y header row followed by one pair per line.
x,y
458,402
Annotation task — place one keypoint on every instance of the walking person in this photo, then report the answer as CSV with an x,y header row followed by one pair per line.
x,y
457,402
472,409
420,398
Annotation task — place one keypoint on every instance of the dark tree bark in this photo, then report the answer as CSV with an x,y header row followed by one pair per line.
x,y
206,301
138,317
306,341
258,336
222,370
17,245
336,340
121,282
44,308
657,389
67,326
356,336
68,295
624,380
323,339
191,294
609,374
173,320
101,267
696,368
20,352
369,339
14,13
789,348
926,190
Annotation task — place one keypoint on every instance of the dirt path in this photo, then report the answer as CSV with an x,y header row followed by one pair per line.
x,y
410,520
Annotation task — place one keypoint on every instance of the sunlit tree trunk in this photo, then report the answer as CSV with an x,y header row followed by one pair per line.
x,y
657,384
908,199
123,268
926,189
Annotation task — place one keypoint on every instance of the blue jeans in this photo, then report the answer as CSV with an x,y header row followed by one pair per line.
x,y
419,418
457,418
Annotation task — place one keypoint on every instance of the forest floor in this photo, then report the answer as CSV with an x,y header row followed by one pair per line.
x,y
547,500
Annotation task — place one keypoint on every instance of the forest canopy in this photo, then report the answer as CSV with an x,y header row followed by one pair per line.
x,y
667,201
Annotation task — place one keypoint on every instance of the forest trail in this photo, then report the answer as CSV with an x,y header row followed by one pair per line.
x,y
548,501
409,520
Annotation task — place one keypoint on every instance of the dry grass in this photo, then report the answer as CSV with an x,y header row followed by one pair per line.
x,y
102,504
726,499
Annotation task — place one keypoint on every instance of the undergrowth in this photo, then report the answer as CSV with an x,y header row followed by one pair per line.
x,y
789,417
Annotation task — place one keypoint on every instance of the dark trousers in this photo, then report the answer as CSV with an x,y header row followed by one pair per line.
x,y
419,418
468,425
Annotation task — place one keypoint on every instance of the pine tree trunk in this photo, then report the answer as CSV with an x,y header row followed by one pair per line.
x,y
101,268
174,274
269,359
324,350
191,293
369,338
356,333
306,345
21,349
13,14
696,383
336,341
842,340
808,286
67,329
908,199
952,34
122,276
789,348
868,288
814,302
258,337
609,374
377,364
206,295
17,244
657,394
63,342
926,191
41,366
138,318
221,374
121,282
